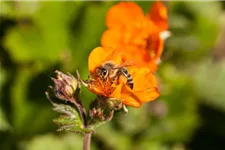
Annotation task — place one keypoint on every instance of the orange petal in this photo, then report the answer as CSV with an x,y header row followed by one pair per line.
x,y
152,65
129,98
138,56
123,14
117,92
143,78
155,45
111,38
95,89
158,14
124,93
148,95
130,101
135,99
100,55
145,89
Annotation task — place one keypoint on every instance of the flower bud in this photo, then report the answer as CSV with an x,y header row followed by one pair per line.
x,y
65,86
114,103
97,114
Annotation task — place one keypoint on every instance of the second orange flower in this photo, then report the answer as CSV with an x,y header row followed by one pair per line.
x,y
139,35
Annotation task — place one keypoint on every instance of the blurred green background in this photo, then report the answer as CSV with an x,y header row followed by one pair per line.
x,y
39,37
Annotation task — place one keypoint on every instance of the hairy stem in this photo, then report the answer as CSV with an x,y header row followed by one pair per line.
x,y
87,141
82,113
79,104
87,136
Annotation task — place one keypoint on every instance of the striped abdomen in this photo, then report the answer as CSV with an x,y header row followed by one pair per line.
x,y
130,81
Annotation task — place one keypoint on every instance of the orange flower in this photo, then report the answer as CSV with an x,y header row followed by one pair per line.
x,y
144,89
158,14
130,31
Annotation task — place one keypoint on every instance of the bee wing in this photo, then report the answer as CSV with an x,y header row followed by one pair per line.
x,y
113,54
125,64
116,56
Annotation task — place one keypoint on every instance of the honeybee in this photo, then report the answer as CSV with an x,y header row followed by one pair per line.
x,y
109,71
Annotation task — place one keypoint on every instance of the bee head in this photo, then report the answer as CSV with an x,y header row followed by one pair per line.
x,y
102,72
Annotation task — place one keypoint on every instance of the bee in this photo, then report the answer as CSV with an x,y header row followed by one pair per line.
x,y
109,71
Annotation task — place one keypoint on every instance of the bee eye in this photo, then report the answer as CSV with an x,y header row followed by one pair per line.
x,y
104,71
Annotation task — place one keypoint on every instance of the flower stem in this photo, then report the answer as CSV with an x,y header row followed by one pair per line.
x,y
83,113
87,136
87,141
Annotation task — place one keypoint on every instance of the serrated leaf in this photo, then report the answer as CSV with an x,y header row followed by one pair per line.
x,y
69,120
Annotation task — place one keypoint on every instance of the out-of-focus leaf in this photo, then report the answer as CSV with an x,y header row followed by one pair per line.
x,y
127,121
116,141
5,8
18,9
2,77
4,124
156,145
209,83
179,97
28,112
40,38
150,145
52,142
179,22
23,43
194,29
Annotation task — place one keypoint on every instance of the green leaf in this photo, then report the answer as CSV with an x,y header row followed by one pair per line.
x,y
180,103
40,38
25,106
3,76
209,82
20,9
69,120
67,141
116,140
194,29
4,124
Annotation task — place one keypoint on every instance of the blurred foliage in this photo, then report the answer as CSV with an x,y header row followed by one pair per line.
x,y
50,141
40,37
211,78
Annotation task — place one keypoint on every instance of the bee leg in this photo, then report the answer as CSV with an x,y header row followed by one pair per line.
x,y
125,109
85,82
